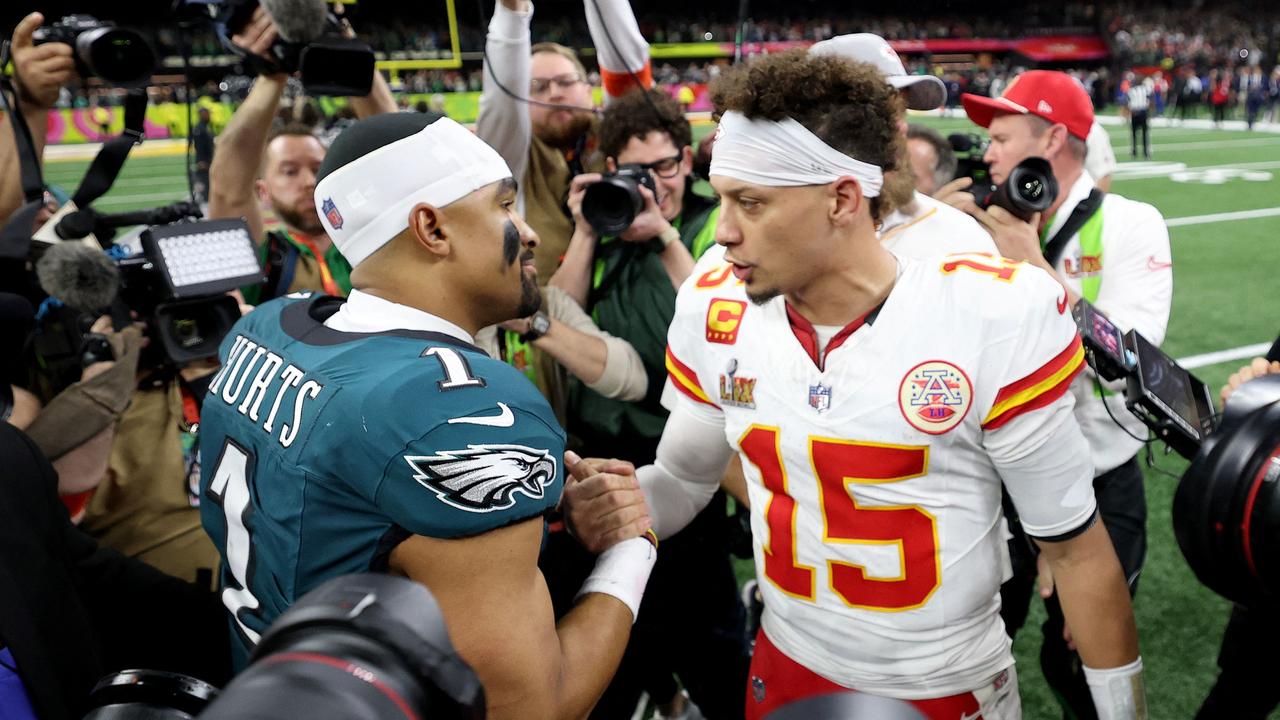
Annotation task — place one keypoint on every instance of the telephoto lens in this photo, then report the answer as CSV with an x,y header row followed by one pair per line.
x,y
1029,189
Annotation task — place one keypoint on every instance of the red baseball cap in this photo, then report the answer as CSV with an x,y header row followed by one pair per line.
x,y
1049,94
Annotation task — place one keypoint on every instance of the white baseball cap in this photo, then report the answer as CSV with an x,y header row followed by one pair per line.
x,y
923,92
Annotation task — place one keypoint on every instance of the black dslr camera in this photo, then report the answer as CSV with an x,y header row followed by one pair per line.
x,y
1029,189
359,646
120,57
611,204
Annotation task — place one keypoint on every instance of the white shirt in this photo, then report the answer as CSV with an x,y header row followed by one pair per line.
x,y
365,313
1136,292
932,228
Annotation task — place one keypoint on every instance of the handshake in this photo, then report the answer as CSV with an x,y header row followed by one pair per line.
x,y
603,504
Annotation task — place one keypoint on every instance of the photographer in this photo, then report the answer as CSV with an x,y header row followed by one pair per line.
x,y
299,255
692,624
1114,254
550,135
39,72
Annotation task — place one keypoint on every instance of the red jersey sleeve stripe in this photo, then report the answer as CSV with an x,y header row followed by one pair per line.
x,y
1038,389
685,379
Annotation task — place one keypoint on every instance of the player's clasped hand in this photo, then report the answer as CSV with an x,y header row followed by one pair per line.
x,y
603,503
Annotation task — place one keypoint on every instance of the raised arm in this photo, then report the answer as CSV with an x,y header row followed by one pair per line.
x,y
241,147
621,49
504,121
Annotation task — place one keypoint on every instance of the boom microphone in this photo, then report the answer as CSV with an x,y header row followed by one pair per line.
x,y
298,21
78,275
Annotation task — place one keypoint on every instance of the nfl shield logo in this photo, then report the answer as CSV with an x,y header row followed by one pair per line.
x,y
820,397
331,213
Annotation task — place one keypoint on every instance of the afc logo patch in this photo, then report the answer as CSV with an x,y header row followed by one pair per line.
x,y
331,213
723,319
935,396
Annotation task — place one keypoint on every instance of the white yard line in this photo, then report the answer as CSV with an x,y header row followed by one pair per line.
x,y
1222,217
1247,351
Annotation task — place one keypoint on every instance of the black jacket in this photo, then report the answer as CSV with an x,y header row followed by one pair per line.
x,y
71,612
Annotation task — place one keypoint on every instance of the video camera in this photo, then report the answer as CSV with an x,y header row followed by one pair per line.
x,y
310,42
1030,188
177,284
119,56
1226,510
359,646
611,204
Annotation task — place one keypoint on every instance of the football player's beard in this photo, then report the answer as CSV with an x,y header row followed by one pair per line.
x,y
530,298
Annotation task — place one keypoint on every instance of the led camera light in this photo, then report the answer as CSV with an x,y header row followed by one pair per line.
x,y
204,257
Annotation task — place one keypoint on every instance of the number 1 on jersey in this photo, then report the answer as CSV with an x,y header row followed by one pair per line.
x,y
836,464
229,488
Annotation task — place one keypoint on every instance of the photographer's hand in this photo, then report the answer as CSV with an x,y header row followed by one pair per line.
x,y
578,188
1255,369
574,273
258,34
649,222
40,71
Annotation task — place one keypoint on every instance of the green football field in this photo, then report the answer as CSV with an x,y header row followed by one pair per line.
x,y
1221,197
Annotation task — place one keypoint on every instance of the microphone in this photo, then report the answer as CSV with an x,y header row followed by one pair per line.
x,y
297,21
82,277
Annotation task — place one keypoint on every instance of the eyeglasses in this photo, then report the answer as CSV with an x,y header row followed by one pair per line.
x,y
666,167
540,86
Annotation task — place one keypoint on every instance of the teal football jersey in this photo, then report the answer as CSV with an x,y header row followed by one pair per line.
x,y
323,450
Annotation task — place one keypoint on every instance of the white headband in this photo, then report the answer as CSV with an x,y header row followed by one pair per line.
x,y
784,154
366,202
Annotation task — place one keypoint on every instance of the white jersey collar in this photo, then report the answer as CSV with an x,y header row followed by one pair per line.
x,y
366,313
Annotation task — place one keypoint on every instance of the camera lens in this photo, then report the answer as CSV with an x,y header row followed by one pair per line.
x,y
1031,189
612,204
118,56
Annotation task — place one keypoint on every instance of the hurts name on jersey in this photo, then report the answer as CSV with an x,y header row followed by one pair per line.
x,y
258,383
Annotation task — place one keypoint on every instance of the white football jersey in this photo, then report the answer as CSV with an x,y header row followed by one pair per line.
x,y
933,228
874,471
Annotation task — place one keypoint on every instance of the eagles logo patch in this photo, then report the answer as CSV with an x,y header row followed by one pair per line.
x,y
935,396
484,478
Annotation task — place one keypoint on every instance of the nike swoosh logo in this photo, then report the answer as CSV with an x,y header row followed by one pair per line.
x,y
503,419
1062,310
1153,265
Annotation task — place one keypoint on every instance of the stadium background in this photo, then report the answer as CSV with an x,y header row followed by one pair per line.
x,y
1216,186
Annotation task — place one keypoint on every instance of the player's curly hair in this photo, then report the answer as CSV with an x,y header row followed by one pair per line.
x,y
847,104
634,115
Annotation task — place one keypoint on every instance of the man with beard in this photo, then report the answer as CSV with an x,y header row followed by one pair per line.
x,y
918,225
536,109
371,434
256,167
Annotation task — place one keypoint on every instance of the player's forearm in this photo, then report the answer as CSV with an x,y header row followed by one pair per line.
x,y
240,148
592,638
582,355
1095,598
378,101
691,459
574,274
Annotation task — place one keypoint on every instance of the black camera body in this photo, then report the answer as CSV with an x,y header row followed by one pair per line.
x,y
328,64
611,204
969,148
119,56
1030,188
1175,404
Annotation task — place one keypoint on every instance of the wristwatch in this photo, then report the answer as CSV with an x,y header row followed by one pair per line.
x,y
538,326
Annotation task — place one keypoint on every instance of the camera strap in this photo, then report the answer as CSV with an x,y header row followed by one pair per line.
x,y
1080,215
106,164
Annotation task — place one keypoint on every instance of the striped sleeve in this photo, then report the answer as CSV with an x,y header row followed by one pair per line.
x,y
686,380
1038,389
